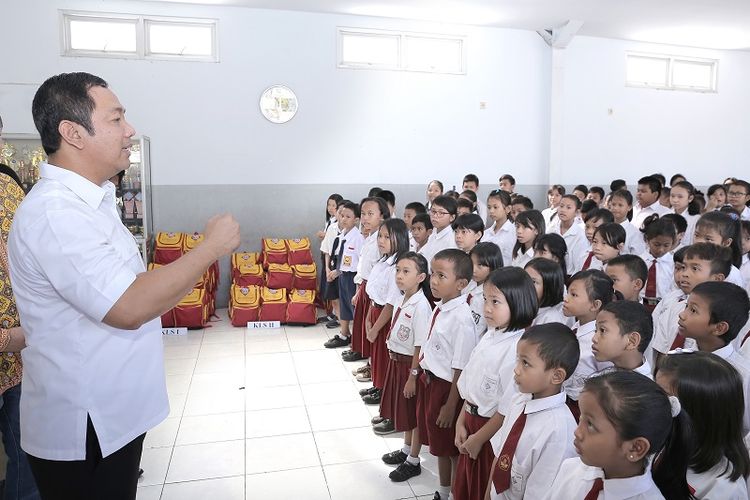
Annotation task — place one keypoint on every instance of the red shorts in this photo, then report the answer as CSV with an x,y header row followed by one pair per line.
x,y
379,351
472,476
360,343
430,398
393,404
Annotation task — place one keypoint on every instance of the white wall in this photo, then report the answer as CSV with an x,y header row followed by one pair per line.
x,y
703,136
352,126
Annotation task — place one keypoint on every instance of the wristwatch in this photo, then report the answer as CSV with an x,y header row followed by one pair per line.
x,y
414,371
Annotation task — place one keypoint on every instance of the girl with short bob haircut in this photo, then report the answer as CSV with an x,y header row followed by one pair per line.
x,y
719,465
626,421
529,227
552,246
549,282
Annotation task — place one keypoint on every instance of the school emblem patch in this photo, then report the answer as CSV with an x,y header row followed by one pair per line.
x,y
403,332
347,260
476,317
504,462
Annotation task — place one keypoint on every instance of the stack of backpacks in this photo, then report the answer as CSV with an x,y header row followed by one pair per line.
x,y
277,284
197,307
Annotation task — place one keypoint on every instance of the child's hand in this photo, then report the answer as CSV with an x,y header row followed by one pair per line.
x,y
354,300
371,334
473,446
446,417
410,389
461,436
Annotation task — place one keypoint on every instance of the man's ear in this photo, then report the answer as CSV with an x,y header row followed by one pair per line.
x,y
70,132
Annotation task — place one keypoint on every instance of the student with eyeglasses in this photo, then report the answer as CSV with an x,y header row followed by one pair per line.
x,y
442,212
738,194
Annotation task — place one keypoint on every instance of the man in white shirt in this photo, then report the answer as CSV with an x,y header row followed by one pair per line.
x,y
93,380
471,182
738,194
647,196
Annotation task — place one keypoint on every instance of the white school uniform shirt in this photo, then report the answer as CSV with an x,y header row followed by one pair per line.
x,y
482,211
735,276
550,216
437,242
410,325
412,243
745,270
665,324
504,237
475,299
587,364
546,441
664,273
453,336
635,244
381,287
691,220
594,264
333,230
575,239
645,369
489,372
575,479
640,214
71,259
715,484
552,314
745,215
522,258
742,365
352,242
368,256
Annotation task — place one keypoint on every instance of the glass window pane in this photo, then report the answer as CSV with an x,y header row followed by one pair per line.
x,y
692,74
434,54
105,36
184,40
377,50
651,71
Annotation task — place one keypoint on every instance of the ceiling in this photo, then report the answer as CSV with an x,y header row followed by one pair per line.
x,y
718,24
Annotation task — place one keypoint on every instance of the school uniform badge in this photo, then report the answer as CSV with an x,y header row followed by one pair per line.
x,y
347,260
403,332
504,462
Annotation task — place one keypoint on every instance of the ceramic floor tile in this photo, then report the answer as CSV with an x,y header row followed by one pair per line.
x,y
179,366
426,483
178,384
269,454
211,428
206,461
349,445
267,398
276,345
276,422
154,462
210,402
320,366
192,337
368,479
163,434
338,416
330,392
309,484
226,488
223,364
149,492
176,404
222,381
182,351
221,350
217,336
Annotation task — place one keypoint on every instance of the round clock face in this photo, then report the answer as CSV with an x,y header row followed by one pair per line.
x,y
278,104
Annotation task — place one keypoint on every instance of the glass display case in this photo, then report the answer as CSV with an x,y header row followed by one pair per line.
x,y
24,154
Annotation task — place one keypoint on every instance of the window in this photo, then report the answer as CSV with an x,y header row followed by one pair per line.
x,y
138,37
671,72
379,49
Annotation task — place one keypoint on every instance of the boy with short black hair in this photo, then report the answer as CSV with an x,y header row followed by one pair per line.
x,y
445,352
623,332
411,210
596,193
647,196
421,229
527,462
629,274
507,183
464,206
390,199
471,182
468,230
520,204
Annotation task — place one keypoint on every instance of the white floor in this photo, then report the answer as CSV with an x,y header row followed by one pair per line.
x,y
268,414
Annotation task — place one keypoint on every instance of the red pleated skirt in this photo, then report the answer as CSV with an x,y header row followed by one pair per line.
x,y
379,352
393,404
430,398
472,475
360,343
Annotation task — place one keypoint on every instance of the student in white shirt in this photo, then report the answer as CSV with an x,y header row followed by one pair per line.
x,y
549,282
471,182
485,257
434,189
443,212
574,235
647,195
421,229
628,273
607,243
467,231
723,228
714,315
703,382
660,236
745,265
738,194
588,292
93,366
623,331
411,210
626,420
525,464
510,307
329,292
554,196
552,246
620,203
592,220
502,232
682,199
529,227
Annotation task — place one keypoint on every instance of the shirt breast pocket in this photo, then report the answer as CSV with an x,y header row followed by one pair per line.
x,y
489,384
518,477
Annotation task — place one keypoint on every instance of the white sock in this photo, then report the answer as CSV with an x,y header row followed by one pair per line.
x,y
444,491
412,460
406,450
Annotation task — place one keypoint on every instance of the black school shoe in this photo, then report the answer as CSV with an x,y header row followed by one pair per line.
x,y
405,471
394,458
376,420
372,399
334,323
369,390
337,341
351,356
384,427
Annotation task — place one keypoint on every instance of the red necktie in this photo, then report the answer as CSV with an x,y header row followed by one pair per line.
x,y
679,342
593,493
429,333
393,323
744,339
468,299
587,262
501,474
651,281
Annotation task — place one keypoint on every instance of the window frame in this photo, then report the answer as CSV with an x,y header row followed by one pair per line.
x,y
142,23
402,37
671,59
